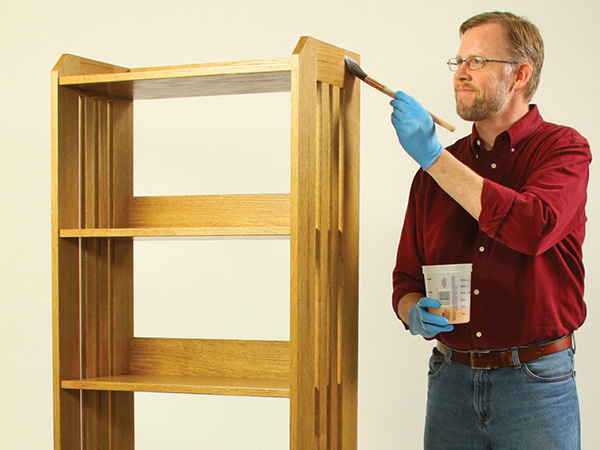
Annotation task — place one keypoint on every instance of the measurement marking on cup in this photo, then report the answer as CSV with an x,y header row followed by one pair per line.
x,y
444,297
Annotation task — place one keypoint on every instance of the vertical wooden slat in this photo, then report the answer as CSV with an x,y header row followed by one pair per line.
x,y
90,400
316,281
106,270
121,423
121,404
323,225
121,117
350,132
93,273
342,442
334,411
342,162
302,246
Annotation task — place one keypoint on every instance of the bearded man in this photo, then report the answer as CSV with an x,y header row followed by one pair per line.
x,y
510,199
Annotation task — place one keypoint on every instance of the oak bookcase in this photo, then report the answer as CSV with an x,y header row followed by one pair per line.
x,y
98,360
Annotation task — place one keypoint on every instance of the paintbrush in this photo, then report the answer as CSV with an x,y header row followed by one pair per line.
x,y
356,70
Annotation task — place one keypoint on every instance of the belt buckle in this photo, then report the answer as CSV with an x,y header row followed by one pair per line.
x,y
473,354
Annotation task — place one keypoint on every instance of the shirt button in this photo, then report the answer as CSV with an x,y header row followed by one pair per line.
x,y
512,150
476,292
494,165
482,249
479,334
478,142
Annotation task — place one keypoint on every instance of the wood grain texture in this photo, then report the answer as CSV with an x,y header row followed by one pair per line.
x,y
261,387
240,77
65,260
330,64
210,358
349,261
302,246
106,280
173,232
85,133
319,185
324,233
251,210
198,366
202,215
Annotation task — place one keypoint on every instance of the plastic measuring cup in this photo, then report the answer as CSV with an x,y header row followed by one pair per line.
x,y
450,284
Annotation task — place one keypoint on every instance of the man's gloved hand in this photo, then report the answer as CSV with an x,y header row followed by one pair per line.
x,y
415,130
422,322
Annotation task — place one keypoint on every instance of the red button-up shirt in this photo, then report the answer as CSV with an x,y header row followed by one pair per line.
x,y
528,276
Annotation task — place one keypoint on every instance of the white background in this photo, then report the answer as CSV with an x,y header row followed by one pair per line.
x,y
239,288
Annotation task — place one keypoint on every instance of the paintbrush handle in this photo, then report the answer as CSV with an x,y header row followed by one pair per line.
x,y
355,70
442,122
386,90
380,87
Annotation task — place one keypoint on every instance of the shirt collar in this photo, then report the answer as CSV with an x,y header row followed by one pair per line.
x,y
516,134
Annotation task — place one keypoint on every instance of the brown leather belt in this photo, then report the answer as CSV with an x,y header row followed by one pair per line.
x,y
494,359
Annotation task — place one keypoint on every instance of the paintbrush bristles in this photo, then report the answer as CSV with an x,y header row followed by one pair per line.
x,y
354,68
357,71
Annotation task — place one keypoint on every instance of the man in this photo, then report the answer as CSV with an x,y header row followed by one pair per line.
x,y
510,199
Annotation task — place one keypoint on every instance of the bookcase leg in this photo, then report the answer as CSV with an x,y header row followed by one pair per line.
x,y
324,250
303,390
65,259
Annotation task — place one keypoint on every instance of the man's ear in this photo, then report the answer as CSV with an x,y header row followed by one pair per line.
x,y
523,74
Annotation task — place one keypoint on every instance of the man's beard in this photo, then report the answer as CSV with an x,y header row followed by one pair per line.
x,y
484,108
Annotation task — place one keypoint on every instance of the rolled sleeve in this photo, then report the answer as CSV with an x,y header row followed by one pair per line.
x,y
496,201
547,208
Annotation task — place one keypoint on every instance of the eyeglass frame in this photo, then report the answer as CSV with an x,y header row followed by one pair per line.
x,y
453,66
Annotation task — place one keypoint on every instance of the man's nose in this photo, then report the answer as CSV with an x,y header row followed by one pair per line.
x,y
462,73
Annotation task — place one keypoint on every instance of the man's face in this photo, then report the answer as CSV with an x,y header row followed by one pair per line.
x,y
481,94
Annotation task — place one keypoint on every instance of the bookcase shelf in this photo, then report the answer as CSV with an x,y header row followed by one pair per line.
x,y
98,362
242,77
199,366
177,384
199,215
173,232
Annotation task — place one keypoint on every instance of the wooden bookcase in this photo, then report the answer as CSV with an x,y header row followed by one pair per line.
x,y
99,362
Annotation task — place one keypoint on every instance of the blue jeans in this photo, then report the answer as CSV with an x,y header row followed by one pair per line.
x,y
529,406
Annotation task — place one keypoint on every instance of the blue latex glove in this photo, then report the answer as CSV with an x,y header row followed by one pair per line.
x,y
421,321
415,129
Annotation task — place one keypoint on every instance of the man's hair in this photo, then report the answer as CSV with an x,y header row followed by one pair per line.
x,y
523,42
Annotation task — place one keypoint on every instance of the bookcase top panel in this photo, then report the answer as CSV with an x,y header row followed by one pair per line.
x,y
240,77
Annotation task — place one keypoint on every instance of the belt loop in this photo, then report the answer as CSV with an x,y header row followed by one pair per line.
x,y
448,356
515,357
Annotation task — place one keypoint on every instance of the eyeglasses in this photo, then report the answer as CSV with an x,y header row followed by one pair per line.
x,y
474,62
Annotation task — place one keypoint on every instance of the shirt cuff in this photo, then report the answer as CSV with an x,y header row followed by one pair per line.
x,y
407,288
